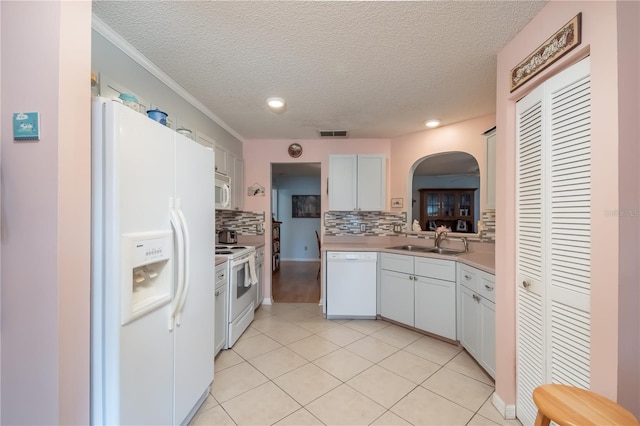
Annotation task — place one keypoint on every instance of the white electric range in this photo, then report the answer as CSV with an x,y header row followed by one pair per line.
x,y
241,291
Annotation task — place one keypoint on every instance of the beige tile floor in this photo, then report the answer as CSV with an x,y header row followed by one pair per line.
x,y
293,367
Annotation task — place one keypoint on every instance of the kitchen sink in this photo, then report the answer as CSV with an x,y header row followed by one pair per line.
x,y
422,249
425,249
444,251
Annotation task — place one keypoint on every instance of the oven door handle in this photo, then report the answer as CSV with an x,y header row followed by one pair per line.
x,y
239,262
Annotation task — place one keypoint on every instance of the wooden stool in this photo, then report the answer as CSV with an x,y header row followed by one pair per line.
x,y
571,406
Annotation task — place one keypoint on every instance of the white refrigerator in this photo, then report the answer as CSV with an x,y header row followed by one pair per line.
x,y
153,280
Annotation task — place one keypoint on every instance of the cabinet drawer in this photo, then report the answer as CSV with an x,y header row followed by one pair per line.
x,y
435,268
397,262
221,275
468,277
486,286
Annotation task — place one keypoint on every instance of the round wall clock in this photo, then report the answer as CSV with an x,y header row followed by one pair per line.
x,y
295,150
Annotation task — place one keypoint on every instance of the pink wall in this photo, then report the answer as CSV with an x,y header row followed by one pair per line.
x,y
465,136
629,192
46,214
599,39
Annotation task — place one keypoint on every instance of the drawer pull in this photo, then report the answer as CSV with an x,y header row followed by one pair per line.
x,y
467,276
488,287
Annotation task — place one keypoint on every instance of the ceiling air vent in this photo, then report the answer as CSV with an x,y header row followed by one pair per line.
x,y
333,133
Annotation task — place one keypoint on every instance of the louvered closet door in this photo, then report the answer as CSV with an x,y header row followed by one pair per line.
x,y
529,252
569,237
553,244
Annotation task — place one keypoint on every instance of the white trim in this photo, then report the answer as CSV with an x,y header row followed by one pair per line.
x,y
117,40
267,301
506,411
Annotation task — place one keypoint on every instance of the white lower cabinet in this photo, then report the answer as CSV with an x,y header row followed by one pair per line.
x,y
488,336
477,315
435,306
419,292
221,306
260,274
470,327
397,296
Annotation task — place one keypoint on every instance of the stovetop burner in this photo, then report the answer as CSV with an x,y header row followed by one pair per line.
x,y
233,252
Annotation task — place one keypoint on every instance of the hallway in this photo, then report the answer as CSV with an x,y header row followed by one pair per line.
x,y
295,282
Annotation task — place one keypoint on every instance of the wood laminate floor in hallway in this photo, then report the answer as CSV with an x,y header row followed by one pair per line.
x,y
296,282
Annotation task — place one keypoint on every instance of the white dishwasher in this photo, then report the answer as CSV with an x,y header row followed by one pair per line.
x,y
351,284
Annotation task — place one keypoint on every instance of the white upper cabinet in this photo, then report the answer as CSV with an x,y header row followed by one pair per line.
x,y
221,160
235,169
357,182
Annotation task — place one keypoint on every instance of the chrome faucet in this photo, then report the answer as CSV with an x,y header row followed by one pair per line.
x,y
466,245
440,236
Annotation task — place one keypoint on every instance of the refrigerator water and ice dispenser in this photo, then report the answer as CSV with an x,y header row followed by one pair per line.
x,y
146,273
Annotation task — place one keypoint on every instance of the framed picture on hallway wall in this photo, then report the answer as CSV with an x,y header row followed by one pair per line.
x,y
305,206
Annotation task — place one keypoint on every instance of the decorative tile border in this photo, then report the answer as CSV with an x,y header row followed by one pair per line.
x,y
244,223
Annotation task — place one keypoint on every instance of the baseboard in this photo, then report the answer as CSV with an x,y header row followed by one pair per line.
x,y
506,411
267,301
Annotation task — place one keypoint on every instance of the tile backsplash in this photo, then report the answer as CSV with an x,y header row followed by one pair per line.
x,y
244,223
382,224
364,223
488,232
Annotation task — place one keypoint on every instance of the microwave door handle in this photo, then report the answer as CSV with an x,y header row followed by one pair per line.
x,y
227,195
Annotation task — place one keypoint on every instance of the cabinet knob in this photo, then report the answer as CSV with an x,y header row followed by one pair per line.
x,y
488,287
526,284
217,292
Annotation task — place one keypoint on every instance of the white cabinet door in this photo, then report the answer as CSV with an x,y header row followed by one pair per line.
x,y
343,182
435,306
235,168
220,330
221,160
260,272
371,182
357,182
397,299
469,316
487,315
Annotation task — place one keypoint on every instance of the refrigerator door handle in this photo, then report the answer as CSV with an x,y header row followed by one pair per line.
x,y
186,259
175,222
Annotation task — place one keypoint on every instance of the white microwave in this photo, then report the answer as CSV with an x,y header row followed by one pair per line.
x,y
223,191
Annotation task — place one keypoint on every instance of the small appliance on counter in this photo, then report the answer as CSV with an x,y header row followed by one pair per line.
x,y
227,236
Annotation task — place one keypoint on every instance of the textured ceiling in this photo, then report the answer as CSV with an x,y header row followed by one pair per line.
x,y
377,69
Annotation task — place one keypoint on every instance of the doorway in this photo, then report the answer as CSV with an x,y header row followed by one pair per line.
x,y
296,200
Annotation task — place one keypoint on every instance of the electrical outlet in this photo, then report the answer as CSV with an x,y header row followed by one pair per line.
x,y
363,227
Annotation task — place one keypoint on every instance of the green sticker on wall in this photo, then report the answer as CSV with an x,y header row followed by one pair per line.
x,y
26,126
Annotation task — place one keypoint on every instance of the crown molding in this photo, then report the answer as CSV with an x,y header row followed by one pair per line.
x,y
117,40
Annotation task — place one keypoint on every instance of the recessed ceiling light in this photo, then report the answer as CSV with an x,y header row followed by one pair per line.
x,y
432,123
276,104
